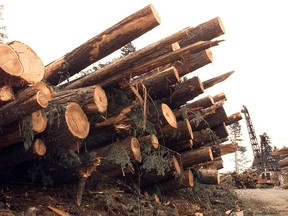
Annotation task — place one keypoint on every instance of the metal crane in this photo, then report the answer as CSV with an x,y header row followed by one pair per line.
x,y
263,159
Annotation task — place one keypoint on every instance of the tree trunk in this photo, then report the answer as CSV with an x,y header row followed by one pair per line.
x,y
32,90
68,128
23,107
217,164
118,156
219,97
215,80
193,157
192,62
157,82
33,67
111,77
185,180
173,138
233,118
6,94
227,149
83,96
183,92
17,154
283,163
103,44
11,66
15,132
203,32
208,135
163,172
209,176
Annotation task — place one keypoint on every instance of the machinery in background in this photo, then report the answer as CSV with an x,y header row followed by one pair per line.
x,y
264,162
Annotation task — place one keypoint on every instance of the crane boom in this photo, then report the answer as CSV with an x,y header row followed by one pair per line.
x,y
258,163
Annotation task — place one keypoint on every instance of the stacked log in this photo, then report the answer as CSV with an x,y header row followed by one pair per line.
x,y
136,117
282,157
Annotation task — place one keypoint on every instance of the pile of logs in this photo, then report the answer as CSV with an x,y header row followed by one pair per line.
x,y
247,179
137,116
282,157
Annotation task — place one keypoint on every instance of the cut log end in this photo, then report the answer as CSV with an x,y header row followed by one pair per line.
x,y
39,121
169,115
6,93
135,147
41,99
100,99
221,26
175,46
9,61
154,141
155,13
77,121
188,178
176,165
209,55
189,129
39,147
33,66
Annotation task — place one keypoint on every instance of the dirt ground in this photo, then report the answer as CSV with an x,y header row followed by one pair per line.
x,y
268,201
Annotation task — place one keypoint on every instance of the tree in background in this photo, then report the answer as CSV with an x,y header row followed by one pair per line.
x,y
3,33
127,49
241,160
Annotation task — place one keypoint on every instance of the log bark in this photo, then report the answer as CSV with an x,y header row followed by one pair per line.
x,y
186,180
190,63
215,80
217,164
118,156
11,66
145,54
33,67
6,94
283,163
225,149
17,154
233,118
68,128
191,108
84,97
32,90
111,77
208,135
193,157
15,132
157,82
219,97
177,139
104,44
152,177
217,117
23,107
209,176
279,152
203,32
183,92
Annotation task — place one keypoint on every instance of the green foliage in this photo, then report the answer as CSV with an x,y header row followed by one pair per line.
x,y
127,49
157,160
120,156
27,130
67,159
54,111
37,171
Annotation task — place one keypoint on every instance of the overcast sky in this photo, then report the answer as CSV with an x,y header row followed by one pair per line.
x,y
255,45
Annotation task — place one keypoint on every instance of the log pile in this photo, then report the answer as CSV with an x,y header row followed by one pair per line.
x,y
282,157
247,179
136,117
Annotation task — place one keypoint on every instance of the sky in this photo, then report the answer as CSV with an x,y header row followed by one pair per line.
x,y
255,45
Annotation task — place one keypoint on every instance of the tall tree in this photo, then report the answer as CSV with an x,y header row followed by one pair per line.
x,y
3,33
240,158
